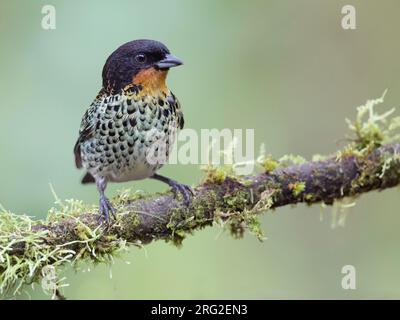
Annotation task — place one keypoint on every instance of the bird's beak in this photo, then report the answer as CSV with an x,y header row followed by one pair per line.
x,y
168,62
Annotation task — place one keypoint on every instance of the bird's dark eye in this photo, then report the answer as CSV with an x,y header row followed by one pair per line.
x,y
141,58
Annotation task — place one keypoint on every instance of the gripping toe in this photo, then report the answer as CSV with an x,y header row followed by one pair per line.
x,y
183,189
105,207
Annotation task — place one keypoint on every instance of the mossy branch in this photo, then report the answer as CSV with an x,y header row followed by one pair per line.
x,y
73,233
162,217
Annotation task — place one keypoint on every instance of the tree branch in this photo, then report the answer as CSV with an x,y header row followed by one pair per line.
x,y
163,217
74,232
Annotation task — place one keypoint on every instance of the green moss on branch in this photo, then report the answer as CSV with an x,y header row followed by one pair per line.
x,y
72,232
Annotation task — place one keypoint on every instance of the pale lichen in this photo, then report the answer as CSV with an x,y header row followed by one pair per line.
x,y
340,210
373,129
269,164
27,249
290,160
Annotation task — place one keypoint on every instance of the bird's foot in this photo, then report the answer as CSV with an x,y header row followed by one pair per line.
x,y
177,188
105,207
183,189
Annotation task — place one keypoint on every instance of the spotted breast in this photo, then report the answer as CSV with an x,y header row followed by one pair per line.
x,y
127,136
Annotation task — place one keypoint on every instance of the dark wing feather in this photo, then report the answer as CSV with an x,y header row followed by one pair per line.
x,y
84,135
181,121
86,132
178,109
77,152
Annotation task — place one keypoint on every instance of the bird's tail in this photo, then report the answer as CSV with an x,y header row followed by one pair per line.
x,y
88,178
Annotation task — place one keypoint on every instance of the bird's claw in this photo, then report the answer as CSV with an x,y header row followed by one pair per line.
x,y
183,189
105,207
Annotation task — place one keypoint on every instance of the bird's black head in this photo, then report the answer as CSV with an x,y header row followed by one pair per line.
x,y
132,59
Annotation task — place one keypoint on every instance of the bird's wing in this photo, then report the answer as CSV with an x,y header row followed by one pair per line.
x,y
87,130
181,120
178,109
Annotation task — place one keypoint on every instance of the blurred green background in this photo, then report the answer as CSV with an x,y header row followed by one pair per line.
x,y
285,68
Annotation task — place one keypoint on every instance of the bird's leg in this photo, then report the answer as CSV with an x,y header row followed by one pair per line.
x,y
177,187
105,206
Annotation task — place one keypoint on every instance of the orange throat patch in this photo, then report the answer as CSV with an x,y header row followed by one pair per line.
x,y
152,81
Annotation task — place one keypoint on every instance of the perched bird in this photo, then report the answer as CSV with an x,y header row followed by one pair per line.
x,y
132,121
